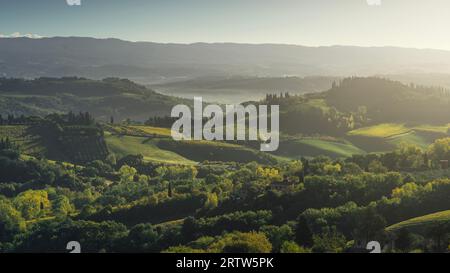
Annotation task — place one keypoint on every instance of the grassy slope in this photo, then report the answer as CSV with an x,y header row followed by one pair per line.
x,y
433,128
132,145
314,147
381,130
341,149
156,144
385,137
216,151
153,130
411,137
145,140
422,221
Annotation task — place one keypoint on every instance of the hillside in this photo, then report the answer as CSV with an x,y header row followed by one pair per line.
x,y
385,137
390,101
356,116
131,145
156,144
420,223
107,98
76,144
310,146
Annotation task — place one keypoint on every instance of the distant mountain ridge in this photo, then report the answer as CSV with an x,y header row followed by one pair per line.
x,y
148,62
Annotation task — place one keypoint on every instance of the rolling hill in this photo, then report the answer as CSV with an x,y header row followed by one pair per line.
x,y
156,144
419,223
107,98
385,137
310,146
130,145
386,101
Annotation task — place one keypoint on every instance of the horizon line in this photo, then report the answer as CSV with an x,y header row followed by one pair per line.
x,y
224,43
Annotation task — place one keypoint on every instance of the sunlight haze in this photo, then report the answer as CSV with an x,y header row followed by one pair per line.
x,y
401,23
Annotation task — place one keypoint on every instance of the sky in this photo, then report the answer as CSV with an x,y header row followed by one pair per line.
x,y
403,23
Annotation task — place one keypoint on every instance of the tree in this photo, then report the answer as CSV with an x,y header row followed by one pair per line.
x,y
11,221
94,237
376,167
440,150
127,173
329,241
142,238
62,206
332,169
369,225
277,235
183,249
292,247
177,172
212,202
33,204
303,233
404,240
439,232
351,168
169,190
410,156
238,242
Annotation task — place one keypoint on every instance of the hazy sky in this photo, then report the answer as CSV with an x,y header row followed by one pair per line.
x,y
406,23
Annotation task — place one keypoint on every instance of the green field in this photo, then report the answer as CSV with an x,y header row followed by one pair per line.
x,y
341,149
131,145
411,137
419,223
156,144
444,129
216,151
381,130
315,147
385,137
154,130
